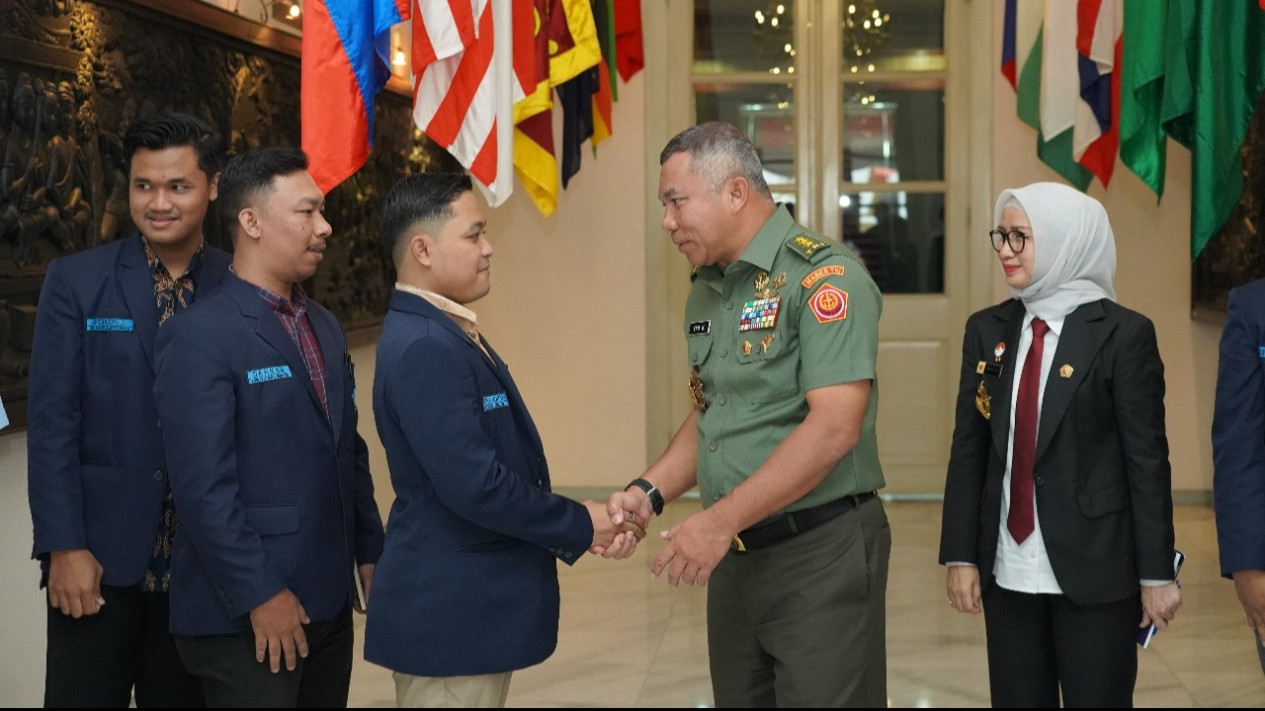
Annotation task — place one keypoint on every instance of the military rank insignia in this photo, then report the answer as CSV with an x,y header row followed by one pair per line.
x,y
829,303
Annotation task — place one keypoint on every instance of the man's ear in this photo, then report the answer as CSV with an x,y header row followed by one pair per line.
x,y
215,186
248,218
420,247
737,191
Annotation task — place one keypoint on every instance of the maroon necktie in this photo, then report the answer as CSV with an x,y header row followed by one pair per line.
x,y
1020,520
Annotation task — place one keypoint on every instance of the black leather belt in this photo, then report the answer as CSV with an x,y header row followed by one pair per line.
x,y
788,525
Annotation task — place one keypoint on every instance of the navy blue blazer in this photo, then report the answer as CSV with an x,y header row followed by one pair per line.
x,y
1238,433
96,474
468,582
271,493
1101,471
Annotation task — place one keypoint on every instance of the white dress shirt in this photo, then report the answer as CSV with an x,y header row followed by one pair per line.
x,y
1025,567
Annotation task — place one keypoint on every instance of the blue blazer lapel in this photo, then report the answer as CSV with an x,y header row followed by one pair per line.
x,y
521,416
137,284
337,361
1084,331
268,327
1010,323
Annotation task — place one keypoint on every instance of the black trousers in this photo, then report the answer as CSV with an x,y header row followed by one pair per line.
x,y
97,660
231,678
1039,645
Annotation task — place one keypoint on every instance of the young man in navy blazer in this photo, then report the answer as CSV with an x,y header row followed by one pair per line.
x,y
1238,453
467,588
272,483
97,475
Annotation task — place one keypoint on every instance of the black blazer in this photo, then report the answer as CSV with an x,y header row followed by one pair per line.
x,y
1102,476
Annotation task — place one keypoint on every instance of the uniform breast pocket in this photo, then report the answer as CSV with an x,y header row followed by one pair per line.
x,y
698,347
766,369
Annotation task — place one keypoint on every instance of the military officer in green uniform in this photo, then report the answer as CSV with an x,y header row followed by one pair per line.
x,y
782,330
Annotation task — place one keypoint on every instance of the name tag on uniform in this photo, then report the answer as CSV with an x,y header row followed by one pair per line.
x,y
495,402
702,328
263,375
110,324
1261,351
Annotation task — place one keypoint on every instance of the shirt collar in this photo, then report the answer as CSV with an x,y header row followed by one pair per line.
x,y
156,265
1055,324
295,306
760,252
441,302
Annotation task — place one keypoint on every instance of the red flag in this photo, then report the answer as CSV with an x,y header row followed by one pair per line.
x,y
344,66
629,54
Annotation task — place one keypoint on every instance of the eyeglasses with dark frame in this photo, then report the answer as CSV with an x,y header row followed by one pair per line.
x,y
1015,239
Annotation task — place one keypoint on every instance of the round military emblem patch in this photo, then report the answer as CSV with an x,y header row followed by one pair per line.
x,y
829,303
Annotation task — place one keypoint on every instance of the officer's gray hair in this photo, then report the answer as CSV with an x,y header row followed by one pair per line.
x,y
718,151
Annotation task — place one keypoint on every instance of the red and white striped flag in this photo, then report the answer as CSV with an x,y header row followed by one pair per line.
x,y
464,88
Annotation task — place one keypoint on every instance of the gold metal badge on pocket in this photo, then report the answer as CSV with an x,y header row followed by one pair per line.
x,y
983,402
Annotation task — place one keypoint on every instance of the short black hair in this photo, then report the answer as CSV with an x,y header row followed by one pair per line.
x,y
420,197
173,130
248,174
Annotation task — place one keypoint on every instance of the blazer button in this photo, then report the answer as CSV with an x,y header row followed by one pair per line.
x,y
158,475
1040,481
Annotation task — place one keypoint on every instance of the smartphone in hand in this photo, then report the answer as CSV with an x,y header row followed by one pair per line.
x,y
1147,633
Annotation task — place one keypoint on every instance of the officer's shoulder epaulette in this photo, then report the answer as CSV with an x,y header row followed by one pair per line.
x,y
811,249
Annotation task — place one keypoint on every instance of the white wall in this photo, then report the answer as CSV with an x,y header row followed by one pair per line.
x,y
21,601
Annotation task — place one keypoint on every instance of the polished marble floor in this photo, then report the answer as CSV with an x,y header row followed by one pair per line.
x,y
627,640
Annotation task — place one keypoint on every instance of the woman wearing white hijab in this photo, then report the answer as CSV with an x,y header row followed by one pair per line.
x,y
1058,513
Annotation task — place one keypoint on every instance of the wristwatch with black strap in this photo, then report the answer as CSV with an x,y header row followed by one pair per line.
x,y
652,492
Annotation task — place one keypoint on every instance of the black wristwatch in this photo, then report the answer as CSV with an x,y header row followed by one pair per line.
x,y
656,498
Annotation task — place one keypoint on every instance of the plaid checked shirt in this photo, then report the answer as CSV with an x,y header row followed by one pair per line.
x,y
292,313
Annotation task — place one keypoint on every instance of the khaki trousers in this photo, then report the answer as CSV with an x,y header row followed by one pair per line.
x,y
480,691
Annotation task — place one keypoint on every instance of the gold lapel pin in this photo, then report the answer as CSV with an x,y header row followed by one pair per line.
x,y
1065,371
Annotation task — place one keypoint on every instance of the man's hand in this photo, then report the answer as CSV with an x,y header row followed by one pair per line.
x,y
278,626
1159,604
366,579
631,505
1250,586
695,547
611,538
963,587
74,582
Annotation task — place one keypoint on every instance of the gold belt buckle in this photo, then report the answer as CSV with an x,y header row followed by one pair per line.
x,y
740,546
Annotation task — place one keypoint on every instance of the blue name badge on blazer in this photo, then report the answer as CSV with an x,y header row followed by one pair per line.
x,y
110,324
1261,352
263,375
494,402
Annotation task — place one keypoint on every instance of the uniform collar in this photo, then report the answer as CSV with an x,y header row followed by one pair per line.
x,y
760,253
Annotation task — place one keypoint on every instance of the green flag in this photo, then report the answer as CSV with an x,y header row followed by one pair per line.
x,y
1056,152
1229,77
1142,138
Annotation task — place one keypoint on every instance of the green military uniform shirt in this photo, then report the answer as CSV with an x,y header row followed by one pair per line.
x,y
794,312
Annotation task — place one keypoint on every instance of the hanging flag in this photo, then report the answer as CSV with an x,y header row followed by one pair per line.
x,y
1095,133
455,89
534,160
1008,45
1143,65
1230,76
345,63
573,69
607,93
629,53
1030,48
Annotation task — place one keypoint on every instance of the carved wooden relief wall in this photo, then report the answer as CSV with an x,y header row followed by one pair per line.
x,y
74,74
